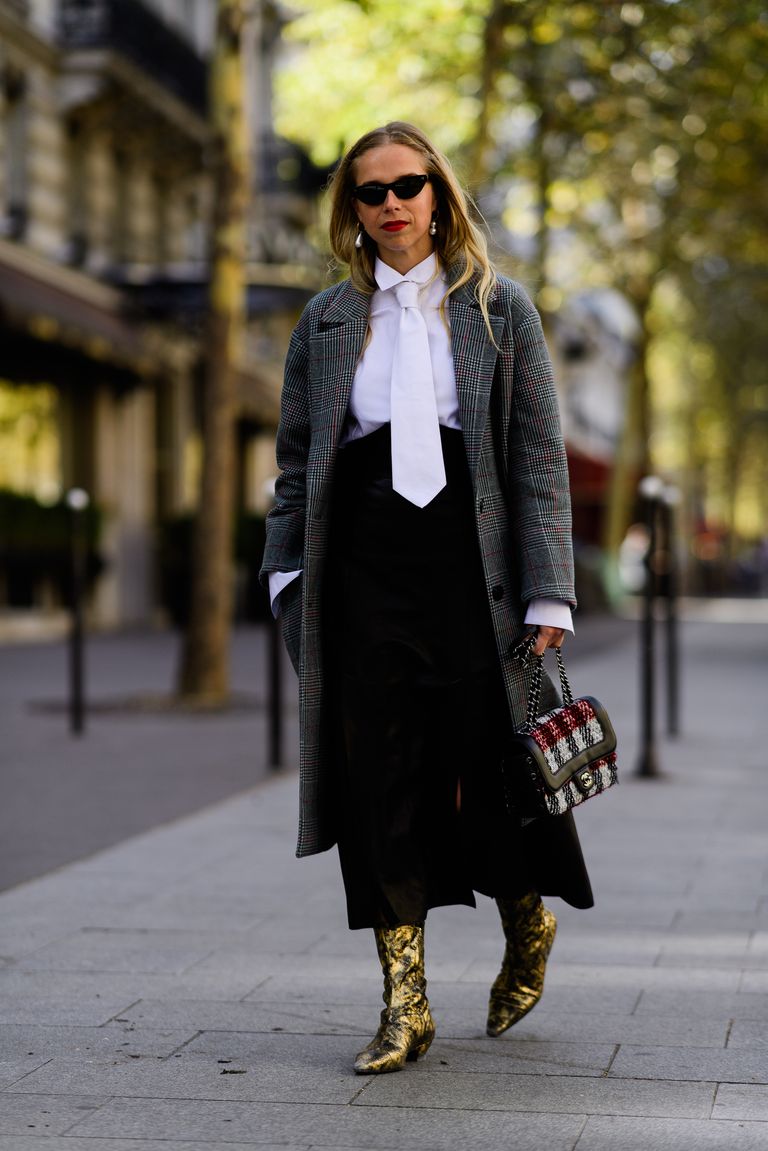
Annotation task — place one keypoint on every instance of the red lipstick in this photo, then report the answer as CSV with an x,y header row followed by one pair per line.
x,y
394,226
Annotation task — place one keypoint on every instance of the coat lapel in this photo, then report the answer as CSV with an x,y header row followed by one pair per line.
x,y
348,304
334,353
474,362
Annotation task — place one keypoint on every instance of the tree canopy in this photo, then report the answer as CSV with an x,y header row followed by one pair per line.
x,y
615,144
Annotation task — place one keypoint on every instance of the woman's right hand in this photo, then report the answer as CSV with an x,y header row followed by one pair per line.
x,y
547,637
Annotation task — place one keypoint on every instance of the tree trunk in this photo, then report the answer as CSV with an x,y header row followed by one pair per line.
x,y
490,65
205,656
538,95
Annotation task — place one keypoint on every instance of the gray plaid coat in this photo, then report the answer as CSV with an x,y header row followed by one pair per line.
x,y
511,428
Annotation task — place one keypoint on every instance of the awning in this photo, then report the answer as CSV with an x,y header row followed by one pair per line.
x,y
36,312
187,300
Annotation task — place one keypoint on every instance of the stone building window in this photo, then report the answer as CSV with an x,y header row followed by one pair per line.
x,y
195,231
122,247
77,194
13,218
162,246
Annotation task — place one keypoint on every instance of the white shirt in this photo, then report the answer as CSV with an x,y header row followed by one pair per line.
x,y
369,401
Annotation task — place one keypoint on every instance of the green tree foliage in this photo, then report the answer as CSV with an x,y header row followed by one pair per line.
x,y
608,143
360,64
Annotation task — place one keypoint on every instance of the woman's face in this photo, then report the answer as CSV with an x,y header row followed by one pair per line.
x,y
398,228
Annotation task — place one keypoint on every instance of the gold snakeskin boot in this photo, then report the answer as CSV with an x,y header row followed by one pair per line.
x,y
405,1028
529,929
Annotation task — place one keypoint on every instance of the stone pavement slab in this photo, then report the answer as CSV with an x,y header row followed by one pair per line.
x,y
748,1034
196,987
120,950
540,1093
735,1065
94,1009
599,1027
615,1133
738,1005
218,1015
13,1070
116,1040
74,1143
279,1079
333,1126
22,1115
741,1101
533,1057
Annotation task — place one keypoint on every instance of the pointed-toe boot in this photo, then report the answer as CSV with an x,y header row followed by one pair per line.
x,y
529,929
406,1028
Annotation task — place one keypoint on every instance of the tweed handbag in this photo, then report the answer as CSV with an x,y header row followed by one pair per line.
x,y
558,760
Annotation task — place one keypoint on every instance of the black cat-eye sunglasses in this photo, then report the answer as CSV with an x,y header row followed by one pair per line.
x,y
405,188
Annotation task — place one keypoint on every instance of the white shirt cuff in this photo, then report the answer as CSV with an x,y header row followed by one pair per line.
x,y
277,581
549,613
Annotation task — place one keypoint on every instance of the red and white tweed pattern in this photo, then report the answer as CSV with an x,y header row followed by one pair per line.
x,y
564,732
604,774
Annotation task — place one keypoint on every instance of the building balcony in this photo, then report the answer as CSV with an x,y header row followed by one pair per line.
x,y
131,30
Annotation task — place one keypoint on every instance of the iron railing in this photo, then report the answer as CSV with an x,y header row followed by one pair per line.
x,y
133,30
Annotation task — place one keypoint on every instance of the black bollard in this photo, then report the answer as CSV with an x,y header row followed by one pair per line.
x,y
77,501
670,500
275,689
648,766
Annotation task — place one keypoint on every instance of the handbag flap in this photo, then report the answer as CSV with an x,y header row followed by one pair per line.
x,y
567,739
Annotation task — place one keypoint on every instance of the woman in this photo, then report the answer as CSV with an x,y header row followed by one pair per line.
x,y
421,527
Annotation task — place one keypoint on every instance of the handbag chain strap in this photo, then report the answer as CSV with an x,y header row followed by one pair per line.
x,y
565,686
524,653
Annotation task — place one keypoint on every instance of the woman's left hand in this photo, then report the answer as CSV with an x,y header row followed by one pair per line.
x,y
547,637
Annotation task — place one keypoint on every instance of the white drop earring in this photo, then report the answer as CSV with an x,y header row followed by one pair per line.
x,y
433,228
359,240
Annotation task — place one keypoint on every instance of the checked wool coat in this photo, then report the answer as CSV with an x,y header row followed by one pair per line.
x,y
511,430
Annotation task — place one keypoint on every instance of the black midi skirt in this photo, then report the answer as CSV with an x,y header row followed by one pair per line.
x,y
418,707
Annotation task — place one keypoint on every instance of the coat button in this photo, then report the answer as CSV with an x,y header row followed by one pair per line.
x,y
498,592
481,505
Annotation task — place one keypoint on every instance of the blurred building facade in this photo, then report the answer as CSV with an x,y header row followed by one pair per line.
x,y
595,340
104,203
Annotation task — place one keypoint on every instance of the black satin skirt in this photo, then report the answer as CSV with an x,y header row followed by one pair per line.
x,y
418,707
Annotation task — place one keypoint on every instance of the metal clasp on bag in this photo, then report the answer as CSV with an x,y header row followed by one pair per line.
x,y
586,780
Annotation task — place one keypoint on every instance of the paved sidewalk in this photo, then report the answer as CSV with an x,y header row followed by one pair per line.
x,y
142,760
196,987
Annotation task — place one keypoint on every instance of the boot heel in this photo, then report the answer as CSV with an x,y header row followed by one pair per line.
x,y
421,1049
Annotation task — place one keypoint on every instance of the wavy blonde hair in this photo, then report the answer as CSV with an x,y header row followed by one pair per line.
x,y
458,241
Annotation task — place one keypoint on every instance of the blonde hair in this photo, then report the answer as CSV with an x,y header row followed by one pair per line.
x,y
458,240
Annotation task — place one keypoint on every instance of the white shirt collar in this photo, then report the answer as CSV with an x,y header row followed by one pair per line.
x,y
387,277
